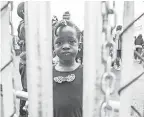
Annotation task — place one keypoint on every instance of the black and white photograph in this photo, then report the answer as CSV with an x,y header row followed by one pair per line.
x,y
72,58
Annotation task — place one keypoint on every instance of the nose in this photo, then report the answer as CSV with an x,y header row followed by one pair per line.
x,y
66,46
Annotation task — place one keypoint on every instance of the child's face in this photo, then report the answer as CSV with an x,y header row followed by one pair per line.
x,y
66,43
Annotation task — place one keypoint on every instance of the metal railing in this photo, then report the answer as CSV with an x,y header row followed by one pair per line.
x,y
24,95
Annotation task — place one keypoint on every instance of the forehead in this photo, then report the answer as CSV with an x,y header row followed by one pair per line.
x,y
67,31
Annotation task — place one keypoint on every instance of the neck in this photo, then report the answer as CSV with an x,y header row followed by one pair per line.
x,y
67,63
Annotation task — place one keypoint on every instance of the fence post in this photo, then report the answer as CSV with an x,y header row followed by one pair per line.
x,y
127,59
5,52
39,59
92,57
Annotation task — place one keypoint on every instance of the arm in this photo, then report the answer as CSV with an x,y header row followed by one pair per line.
x,y
22,70
135,42
142,42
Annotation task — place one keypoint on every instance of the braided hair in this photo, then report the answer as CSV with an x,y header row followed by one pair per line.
x,y
61,24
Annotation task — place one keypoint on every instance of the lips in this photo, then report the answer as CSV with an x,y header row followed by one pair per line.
x,y
66,53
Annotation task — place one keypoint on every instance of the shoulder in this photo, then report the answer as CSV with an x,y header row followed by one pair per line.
x,y
54,70
79,70
21,25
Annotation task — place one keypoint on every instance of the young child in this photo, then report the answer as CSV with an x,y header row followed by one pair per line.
x,y
22,63
138,45
21,28
67,74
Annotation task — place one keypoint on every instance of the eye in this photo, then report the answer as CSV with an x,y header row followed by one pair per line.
x,y
72,41
58,43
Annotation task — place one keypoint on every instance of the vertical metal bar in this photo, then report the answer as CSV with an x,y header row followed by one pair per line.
x,y
6,74
143,108
33,72
127,59
46,59
92,57
39,58
1,99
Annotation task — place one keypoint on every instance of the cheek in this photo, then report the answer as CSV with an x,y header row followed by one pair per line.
x,y
75,48
55,49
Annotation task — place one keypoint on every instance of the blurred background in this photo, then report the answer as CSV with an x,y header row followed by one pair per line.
x,y
76,9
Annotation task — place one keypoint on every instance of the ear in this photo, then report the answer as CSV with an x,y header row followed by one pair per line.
x,y
54,51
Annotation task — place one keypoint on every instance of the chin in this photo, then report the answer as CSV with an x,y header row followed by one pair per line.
x,y
67,58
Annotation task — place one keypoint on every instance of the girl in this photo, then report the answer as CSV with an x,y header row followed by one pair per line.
x,y
67,74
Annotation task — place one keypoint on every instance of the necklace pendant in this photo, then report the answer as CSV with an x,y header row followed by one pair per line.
x,y
61,79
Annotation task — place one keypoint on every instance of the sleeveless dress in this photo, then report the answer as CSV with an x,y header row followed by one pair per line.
x,y
67,96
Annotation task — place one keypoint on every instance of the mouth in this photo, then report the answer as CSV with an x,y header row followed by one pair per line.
x,y
66,53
